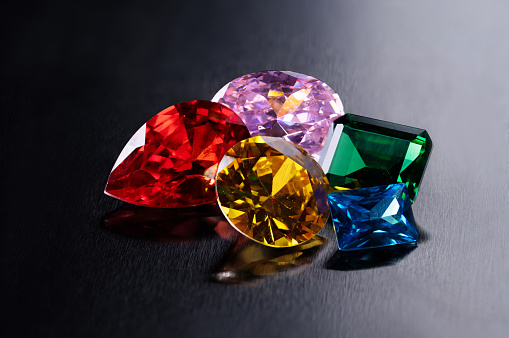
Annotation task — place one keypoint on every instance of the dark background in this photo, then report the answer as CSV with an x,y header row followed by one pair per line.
x,y
79,78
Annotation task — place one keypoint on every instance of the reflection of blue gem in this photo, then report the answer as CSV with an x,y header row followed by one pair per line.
x,y
372,217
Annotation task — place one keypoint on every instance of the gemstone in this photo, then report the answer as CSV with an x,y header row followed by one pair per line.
x,y
372,217
364,152
272,192
294,106
171,161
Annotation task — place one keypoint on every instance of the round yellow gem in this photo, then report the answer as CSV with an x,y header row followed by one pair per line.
x,y
272,192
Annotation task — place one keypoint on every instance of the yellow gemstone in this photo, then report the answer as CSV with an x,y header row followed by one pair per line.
x,y
272,192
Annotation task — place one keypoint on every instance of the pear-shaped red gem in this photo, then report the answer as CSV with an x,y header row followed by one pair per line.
x,y
171,161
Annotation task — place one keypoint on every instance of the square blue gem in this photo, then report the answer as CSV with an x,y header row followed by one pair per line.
x,y
372,217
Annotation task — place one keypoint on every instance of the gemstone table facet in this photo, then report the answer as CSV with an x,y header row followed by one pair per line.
x,y
272,192
372,217
294,106
171,161
364,152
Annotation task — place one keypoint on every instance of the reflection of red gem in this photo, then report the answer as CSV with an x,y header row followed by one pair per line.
x,y
166,225
172,160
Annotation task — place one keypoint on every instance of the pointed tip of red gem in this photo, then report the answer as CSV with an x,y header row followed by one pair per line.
x,y
170,161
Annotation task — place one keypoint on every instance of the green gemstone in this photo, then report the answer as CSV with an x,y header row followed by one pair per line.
x,y
372,152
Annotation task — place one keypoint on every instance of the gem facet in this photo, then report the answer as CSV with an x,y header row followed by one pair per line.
x,y
294,106
171,160
372,152
372,217
272,192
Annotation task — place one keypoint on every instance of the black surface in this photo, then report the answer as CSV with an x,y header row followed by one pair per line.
x,y
79,78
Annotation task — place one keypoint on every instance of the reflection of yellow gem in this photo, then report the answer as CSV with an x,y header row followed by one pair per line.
x,y
248,261
272,192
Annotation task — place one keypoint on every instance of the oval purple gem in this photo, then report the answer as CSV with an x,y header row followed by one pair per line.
x,y
297,107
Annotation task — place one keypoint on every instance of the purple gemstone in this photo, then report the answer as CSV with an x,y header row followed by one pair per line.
x,y
294,106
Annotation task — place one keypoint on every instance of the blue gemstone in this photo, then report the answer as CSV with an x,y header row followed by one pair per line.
x,y
372,217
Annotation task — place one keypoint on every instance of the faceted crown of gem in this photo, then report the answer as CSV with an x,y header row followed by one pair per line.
x,y
364,152
372,217
272,192
294,106
171,161
370,203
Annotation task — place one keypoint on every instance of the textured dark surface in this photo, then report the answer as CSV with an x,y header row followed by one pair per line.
x,y
78,79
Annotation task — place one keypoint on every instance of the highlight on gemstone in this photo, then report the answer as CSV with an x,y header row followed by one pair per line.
x,y
272,192
285,104
372,217
364,152
171,161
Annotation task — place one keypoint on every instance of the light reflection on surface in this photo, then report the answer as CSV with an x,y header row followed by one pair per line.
x,y
170,225
248,261
369,258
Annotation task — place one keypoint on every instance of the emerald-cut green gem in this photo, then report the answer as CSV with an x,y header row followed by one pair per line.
x,y
364,152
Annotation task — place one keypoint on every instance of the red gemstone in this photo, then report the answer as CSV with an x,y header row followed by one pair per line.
x,y
171,161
